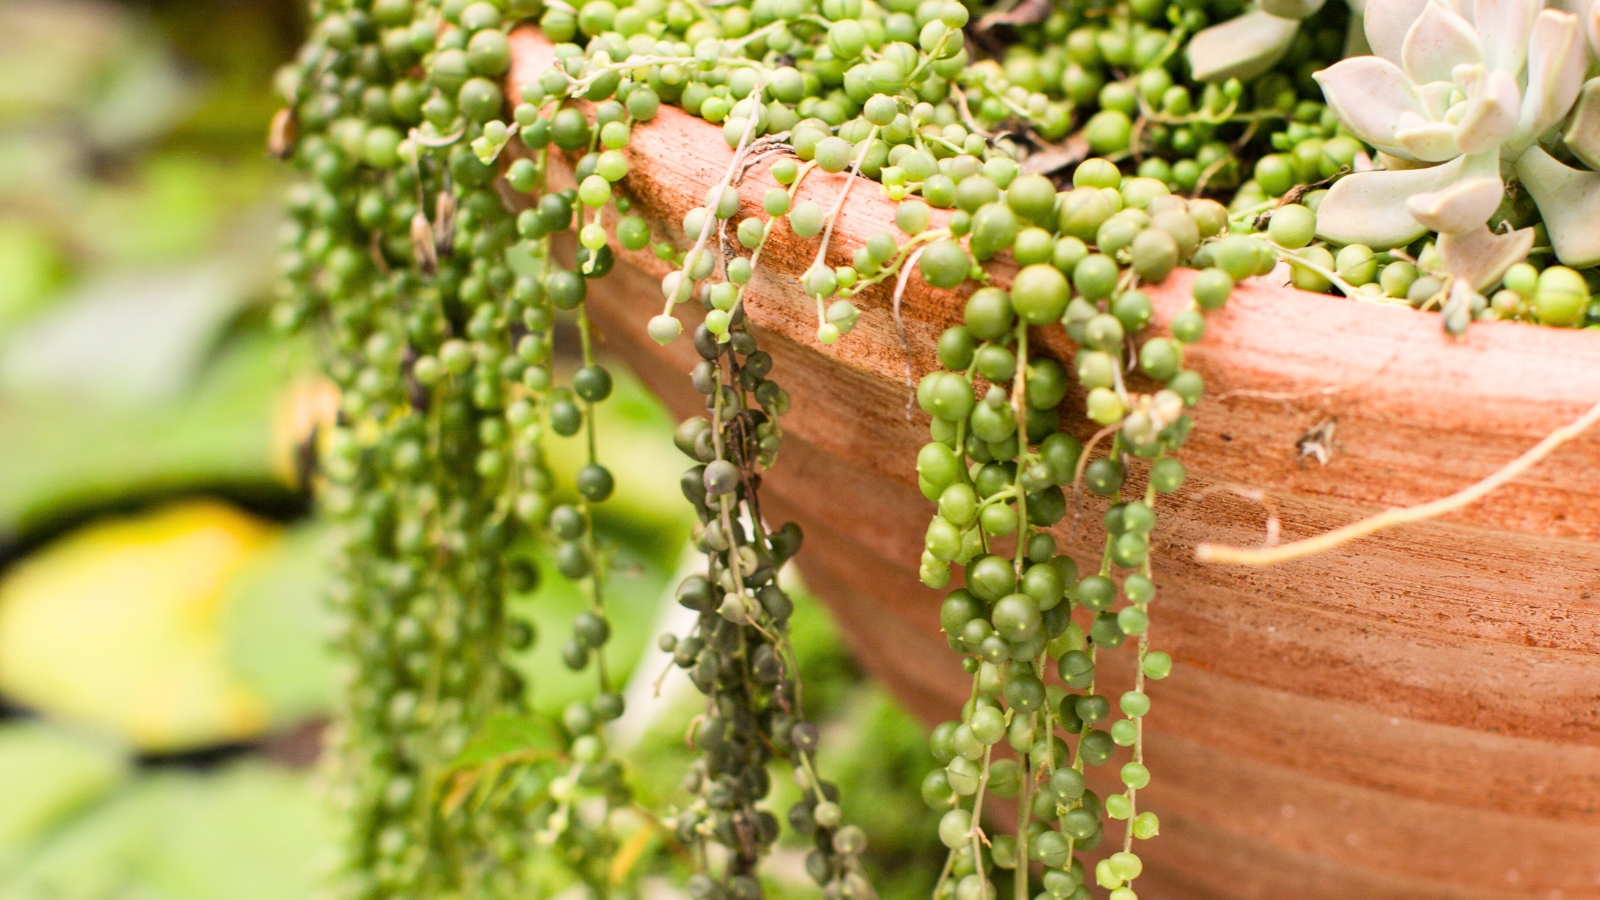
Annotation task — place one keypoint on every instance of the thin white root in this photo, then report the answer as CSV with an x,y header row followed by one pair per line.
x,y
900,327
1077,476
1268,556
1254,495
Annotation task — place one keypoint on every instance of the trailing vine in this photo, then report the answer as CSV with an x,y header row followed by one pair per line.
x,y
423,250
996,468
439,328
738,654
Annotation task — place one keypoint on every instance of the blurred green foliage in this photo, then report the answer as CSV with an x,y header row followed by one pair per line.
x,y
49,775
85,454
136,213
246,831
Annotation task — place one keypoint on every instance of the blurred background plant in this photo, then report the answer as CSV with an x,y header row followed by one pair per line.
x,y
163,681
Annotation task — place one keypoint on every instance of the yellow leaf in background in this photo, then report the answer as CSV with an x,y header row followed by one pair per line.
x,y
117,626
305,415
629,854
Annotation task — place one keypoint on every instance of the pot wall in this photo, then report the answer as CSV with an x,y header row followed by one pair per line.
x,y
1414,715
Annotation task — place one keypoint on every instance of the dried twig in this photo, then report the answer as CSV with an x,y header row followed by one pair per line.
x,y
1077,475
1049,158
1267,556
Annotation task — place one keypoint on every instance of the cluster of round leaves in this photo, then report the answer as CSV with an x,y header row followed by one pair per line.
x,y
546,288
591,772
886,92
440,326
996,468
737,653
889,91
1123,77
1555,295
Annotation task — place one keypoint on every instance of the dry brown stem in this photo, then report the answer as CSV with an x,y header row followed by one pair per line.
x,y
1269,556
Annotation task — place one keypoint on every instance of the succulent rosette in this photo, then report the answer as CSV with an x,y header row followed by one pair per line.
x,y
1250,44
1457,100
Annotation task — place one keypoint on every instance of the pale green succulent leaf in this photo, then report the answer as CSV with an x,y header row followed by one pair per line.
x,y
1460,207
1242,48
1503,27
1480,256
1557,58
1425,140
1369,94
1436,43
1468,78
1387,22
1436,97
1491,115
1370,207
1583,132
1568,201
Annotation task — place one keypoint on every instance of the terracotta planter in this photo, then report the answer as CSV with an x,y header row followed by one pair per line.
x,y
1413,716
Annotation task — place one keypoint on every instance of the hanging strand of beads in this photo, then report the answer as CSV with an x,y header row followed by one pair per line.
x,y
996,469
438,333
547,122
739,655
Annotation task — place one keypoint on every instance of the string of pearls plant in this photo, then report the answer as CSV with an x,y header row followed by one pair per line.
x,y
438,327
1070,136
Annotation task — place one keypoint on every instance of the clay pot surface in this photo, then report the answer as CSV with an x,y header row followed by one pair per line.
x,y
1414,715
